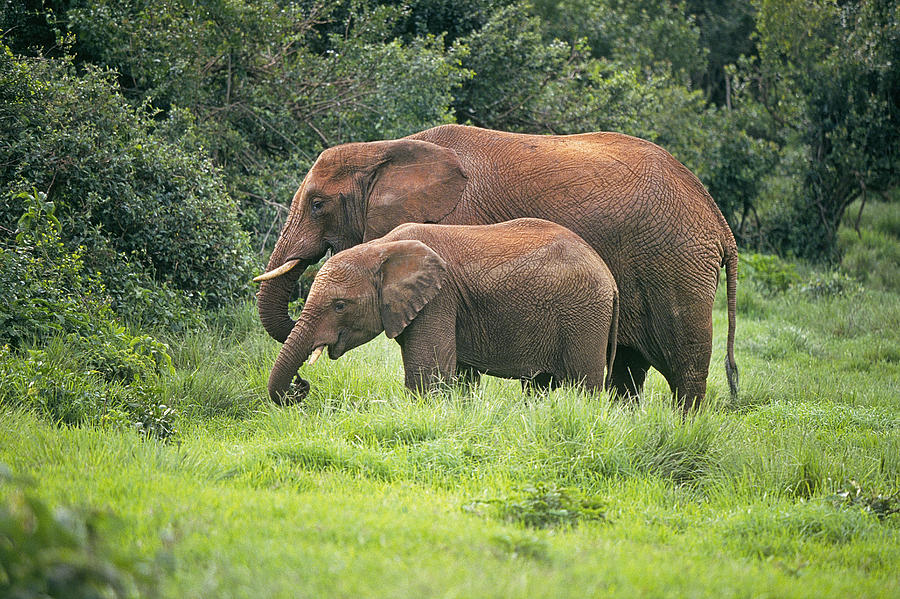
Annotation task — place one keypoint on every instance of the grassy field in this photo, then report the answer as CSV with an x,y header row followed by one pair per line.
x,y
366,491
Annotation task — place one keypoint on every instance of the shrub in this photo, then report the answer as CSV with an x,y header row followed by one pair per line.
x,y
133,201
48,291
543,506
87,367
770,274
59,552
54,384
828,284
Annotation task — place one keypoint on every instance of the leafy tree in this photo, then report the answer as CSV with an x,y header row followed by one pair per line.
x,y
266,86
648,34
28,27
452,20
726,31
512,67
827,76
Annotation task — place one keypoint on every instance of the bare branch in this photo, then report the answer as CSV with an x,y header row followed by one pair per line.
x,y
319,133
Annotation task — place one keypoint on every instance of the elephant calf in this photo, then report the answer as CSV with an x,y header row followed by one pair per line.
x,y
525,299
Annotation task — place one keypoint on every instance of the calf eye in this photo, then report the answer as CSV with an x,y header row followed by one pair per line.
x,y
316,205
340,306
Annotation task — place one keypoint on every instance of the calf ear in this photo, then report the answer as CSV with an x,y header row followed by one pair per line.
x,y
410,275
414,182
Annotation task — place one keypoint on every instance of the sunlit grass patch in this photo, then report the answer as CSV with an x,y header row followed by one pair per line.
x,y
787,530
872,255
366,475
209,392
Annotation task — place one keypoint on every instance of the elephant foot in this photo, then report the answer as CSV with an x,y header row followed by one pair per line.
x,y
297,393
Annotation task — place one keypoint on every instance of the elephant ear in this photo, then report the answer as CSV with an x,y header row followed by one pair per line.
x,y
411,274
414,182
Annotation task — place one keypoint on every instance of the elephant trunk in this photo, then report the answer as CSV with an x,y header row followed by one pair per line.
x,y
272,301
297,348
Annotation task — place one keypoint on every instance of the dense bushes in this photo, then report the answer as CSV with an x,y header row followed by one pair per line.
x,y
132,201
268,85
62,351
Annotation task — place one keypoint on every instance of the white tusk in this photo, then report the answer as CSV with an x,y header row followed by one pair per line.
x,y
278,271
315,355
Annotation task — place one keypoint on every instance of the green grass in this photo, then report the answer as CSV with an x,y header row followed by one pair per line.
x,y
872,254
367,491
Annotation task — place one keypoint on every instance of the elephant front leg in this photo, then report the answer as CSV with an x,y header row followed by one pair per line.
x,y
428,347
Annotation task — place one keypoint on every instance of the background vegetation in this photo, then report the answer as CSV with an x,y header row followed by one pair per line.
x,y
148,153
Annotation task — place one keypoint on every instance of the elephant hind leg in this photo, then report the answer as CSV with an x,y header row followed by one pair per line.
x,y
687,375
629,372
689,392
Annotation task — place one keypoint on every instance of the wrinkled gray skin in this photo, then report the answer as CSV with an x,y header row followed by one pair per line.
x,y
525,299
656,227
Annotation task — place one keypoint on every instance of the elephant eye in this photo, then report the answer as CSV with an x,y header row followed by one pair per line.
x,y
316,205
340,305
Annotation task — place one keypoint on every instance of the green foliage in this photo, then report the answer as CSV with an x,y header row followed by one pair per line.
x,y
651,34
773,276
827,76
726,30
49,292
829,284
512,65
286,81
59,385
543,506
44,287
450,19
769,273
133,201
86,367
28,25
59,552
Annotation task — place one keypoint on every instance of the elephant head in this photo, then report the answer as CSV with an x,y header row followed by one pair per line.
x,y
354,193
357,294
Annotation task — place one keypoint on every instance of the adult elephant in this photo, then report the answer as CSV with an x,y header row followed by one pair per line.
x,y
649,218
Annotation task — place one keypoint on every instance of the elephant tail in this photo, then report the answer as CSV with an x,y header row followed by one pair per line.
x,y
731,266
613,340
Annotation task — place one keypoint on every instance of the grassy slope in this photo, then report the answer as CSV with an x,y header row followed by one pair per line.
x,y
366,491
